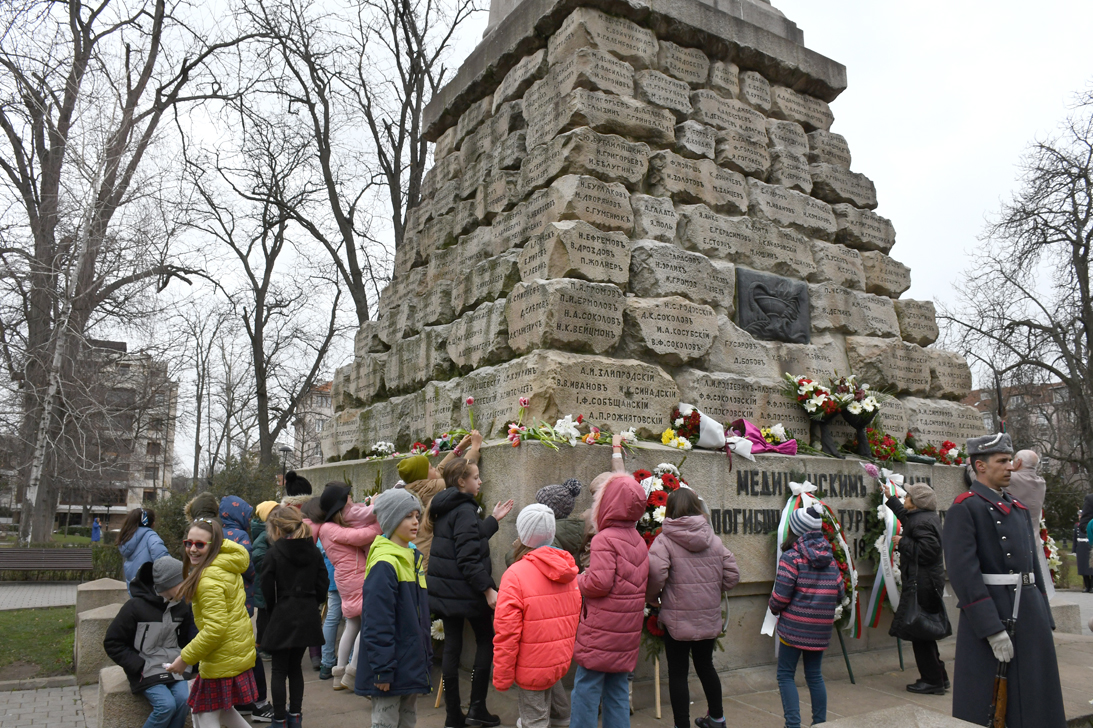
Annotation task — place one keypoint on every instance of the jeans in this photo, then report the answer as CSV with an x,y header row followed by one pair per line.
x,y
169,709
791,702
592,686
330,628
286,666
678,654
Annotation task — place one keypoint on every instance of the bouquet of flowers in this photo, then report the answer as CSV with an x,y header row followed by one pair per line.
x,y
883,446
420,448
382,449
687,422
855,398
832,531
1051,551
775,434
444,443
657,484
947,454
814,398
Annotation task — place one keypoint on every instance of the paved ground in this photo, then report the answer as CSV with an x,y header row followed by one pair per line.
x,y
53,707
31,595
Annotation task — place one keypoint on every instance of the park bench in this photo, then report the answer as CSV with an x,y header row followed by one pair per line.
x,y
20,559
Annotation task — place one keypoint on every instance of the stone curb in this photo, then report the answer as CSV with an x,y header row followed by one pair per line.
x,y
37,683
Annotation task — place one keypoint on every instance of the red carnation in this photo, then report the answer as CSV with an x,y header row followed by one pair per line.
x,y
670,481
653,625
580,419
658,498
640,475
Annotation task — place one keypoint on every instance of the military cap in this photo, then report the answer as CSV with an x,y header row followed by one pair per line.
x,y
990,444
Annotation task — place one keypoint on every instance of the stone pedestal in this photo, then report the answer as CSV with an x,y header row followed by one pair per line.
x,y
118,706
91,628
1067,615
99,593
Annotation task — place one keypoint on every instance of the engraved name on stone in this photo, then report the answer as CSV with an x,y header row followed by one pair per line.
x,y
417,359
722,113
664,269
825,147
745,241
577,250
591,28
863,229
838,264
489,280
742,153
790,170
436,305
581,197
890,364
690,180
368,376
933,421
791,208
663,90
834,184
740,353
510,152
472,118
565,314
835,308
728,397
755,91
917,321
480,337
885,276
655,218
604,113
695,140
687,64
519,78
808,111
950,377
673,329
725,79
583,151
787,136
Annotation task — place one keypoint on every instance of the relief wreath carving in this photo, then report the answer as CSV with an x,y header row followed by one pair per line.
x,y
773,308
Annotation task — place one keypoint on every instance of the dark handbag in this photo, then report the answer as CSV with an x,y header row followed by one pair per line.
x,y
918,624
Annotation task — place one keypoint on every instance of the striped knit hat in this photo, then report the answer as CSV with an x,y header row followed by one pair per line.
x,y
803,520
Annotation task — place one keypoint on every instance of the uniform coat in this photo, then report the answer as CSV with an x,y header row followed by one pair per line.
x,y
989,533
921,541
614,584
538,607
294,582
224,644
689,568
460,570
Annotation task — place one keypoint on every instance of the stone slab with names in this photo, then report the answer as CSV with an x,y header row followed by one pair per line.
x,y
728,397
725,79
587,68
417,359
655,218
661,89
577,250
721,113
884,275
367,377
592,28
890,365
607,156
445,144
480,337
605,113
838,264
509,153
367,341
755,91
932,421
742,153
833,184
673,330
565,313
472,118
436,305
689,65
696,180
487,281
835,308
695,140
583,197
826,147
790,170
787,136
745,241
863,229
950,376
663,269
500,193
772,307
917,321
808,111
519,78
790,208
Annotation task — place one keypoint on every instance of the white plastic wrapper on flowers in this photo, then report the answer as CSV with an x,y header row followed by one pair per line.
x,y
1045,567
711,434
888,576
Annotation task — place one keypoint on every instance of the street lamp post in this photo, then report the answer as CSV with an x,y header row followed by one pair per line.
x,y
285,450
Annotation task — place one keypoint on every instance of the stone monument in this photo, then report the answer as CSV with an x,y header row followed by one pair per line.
x,y
632,205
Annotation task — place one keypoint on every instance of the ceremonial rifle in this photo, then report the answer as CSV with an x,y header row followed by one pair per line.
x,y
1001,688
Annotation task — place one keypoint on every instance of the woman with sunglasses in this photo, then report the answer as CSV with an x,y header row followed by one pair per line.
x,y
224,645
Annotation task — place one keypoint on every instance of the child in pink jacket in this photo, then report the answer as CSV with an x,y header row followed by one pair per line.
x,y
535,624
347,531
613,587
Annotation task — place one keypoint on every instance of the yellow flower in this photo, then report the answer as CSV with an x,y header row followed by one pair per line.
x,y
668,436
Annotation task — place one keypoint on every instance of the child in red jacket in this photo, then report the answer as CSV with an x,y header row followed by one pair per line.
x,y
535,624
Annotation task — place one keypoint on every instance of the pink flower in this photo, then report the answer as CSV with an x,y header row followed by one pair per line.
x,y
871,469
470,401
524,401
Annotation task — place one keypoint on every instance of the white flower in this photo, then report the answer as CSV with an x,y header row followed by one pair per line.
x,y
678,422
437,630
870,404
658,514
648,610
854,408
838,612
645,517
629,435
666,468
383,448
779,431
815,403
685,410
566,429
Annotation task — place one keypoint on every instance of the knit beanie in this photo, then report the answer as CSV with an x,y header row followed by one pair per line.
x,y
535,525
413,468
922,496
204,505
394,505
296,484
262,509
803,520
560,498
166,573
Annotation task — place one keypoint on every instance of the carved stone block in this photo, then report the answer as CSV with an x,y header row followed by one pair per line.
x,y
519,78
591,28
367,377
472,118
932,421
687,64
367,340
510,152
772,308
791,209
695,140
661,89
740,353
500,193
577,250
950,377
787,136
607,206
825,147
835,308
655,218
725,79
604,113
742,153
586,68
755,91
673,330
790,170
917,321
480,337
808,111
436,304
889,364
689,180
728,397
583,151
746,241
834,184
863,229
722,113
418,359
565,314
885,276
445,144
664,269
838,264
489,280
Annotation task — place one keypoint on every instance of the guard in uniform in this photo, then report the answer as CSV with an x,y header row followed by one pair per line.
x,y
990,553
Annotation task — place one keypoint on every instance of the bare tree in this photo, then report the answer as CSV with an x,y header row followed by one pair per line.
x,y
84,90
1026,309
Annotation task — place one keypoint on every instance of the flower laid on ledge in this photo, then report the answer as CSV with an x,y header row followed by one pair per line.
x,y
813,397
775,434
383,449
857,399
883,446
470,404
947,454
566,429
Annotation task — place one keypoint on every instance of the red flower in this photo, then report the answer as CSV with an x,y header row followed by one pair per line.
x,y
658,498
640,475
580,419
670,482
653,625
648,539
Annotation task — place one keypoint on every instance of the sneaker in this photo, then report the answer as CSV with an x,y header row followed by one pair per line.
x,y
316,662
262,714
707,722
265,655
325,673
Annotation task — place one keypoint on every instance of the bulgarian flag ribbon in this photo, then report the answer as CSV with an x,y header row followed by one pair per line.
x,y
886,582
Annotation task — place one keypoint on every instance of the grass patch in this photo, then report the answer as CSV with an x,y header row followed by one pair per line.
x,y
61,538
42,637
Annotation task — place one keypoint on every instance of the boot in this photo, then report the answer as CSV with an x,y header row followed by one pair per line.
x,y
295,720
455,717
476,711
349,679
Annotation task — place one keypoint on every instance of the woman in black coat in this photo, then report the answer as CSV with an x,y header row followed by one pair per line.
x,y
461,586
294,584
1082,546
920,551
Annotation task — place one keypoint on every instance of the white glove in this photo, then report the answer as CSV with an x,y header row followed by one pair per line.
x,y
1002,646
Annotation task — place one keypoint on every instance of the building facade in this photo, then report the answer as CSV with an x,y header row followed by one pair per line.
x,y
312,414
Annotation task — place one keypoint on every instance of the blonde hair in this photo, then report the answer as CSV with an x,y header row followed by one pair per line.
x,y
188,587
286,522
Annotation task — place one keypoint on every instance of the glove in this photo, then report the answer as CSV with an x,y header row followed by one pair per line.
x,y
1002,646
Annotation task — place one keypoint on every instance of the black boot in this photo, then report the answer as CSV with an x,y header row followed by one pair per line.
x,y
455,717
476,711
